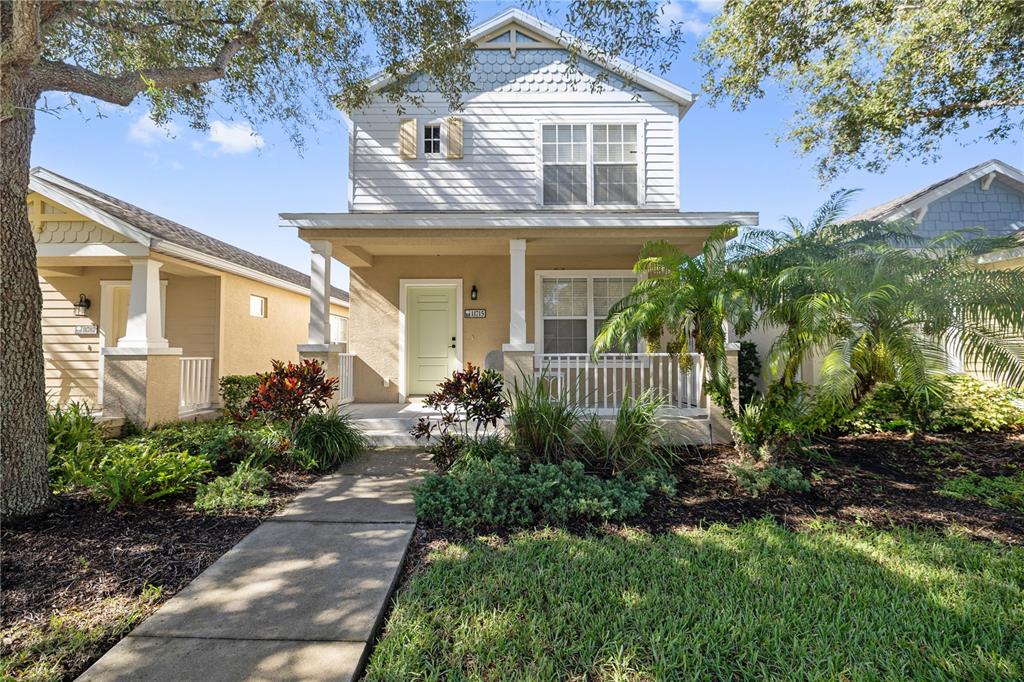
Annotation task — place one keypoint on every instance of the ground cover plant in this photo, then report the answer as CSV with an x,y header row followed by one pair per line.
x,y
135,518
753,601
1004,492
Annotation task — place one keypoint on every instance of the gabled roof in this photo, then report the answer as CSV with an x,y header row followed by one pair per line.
x,y
903,206
631,72
166,236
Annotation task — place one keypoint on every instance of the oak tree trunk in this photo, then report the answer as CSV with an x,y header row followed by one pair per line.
x,y
23,456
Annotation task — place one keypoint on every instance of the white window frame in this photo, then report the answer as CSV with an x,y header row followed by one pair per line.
x,y
265,306
342,327
641,161
589,275
422,139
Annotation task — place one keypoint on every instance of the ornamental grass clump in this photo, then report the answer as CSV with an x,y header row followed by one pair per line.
x,y
329,438
542,426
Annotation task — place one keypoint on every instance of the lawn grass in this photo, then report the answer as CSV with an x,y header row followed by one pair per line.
x,y
754,601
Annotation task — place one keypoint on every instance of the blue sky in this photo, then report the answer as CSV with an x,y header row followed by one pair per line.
x,y
229,184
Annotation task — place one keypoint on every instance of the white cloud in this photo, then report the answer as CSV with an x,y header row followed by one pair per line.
x,y
234,138
709,6
688,15
146,131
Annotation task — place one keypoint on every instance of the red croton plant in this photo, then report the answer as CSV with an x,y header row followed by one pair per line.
x,y
291,391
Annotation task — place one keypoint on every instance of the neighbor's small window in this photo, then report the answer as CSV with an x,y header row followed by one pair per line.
x,y
339,329
432,139
257,306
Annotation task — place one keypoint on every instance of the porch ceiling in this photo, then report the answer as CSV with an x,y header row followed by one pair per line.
x,y
358,248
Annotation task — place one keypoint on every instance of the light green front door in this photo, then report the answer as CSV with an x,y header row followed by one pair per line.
x,y
430,337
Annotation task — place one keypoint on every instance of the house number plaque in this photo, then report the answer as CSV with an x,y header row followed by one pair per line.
x,y
476,312
84,329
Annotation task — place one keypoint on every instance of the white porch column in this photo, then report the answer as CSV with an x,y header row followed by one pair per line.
x,y
517,289
320,292
144,328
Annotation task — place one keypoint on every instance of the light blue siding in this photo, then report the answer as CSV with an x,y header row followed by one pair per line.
x,y
999,210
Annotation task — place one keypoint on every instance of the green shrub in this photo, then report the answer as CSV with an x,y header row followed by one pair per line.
x,y
749,362
74,440
542,426
497,493
1002,492
756,480
129,473
634,442
964,404
289,392
222,442
235,391
243,489
329,438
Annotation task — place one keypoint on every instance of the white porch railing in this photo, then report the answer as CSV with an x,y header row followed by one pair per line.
x,y
346,393
196,391
602,385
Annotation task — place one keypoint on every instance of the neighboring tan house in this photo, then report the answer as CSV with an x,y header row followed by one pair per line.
x,y
500,234
142,316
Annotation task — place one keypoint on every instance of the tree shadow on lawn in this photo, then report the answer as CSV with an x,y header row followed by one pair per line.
x,y
754,601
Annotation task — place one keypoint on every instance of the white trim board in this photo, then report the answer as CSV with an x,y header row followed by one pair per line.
x,y
403,291
527,220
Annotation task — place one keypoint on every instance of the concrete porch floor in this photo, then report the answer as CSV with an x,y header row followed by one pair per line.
x,y
387,425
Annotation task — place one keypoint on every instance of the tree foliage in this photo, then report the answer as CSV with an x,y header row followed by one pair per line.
x,y
874,81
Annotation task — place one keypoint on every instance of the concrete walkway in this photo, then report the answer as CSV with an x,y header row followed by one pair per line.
x,y
299,598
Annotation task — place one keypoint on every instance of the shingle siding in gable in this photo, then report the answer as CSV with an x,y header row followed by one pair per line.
x,y
499,168
529,71
999,210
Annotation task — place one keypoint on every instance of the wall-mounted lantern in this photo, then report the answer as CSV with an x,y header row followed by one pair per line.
x,y
82,307
473,293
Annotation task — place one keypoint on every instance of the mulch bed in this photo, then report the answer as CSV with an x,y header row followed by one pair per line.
x,y
881,479
77,556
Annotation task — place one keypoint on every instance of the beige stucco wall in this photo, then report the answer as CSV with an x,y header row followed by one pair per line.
x,y
250,343
374,323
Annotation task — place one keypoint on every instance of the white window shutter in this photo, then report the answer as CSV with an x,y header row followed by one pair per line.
x,y
454,137
407,138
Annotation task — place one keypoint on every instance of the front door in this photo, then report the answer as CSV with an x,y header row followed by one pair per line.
x,y
431,341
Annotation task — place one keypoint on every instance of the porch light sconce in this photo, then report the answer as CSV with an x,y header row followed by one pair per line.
x,y
82,307
473,293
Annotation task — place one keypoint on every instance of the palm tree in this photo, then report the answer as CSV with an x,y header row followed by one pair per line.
x,y
689,296
881,304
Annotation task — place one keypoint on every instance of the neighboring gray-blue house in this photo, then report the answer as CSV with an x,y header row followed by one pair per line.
x,y
989,195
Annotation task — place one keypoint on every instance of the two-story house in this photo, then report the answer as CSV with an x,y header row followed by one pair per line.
x,y
501,233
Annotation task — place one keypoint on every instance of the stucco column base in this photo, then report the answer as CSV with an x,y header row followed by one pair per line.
x,y
518,368
328,355
142,386
721,426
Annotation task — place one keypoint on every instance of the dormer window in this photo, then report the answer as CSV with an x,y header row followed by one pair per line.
x,y
432,140
595,164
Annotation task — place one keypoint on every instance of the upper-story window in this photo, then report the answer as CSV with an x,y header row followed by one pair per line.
x,y
575,155
431,139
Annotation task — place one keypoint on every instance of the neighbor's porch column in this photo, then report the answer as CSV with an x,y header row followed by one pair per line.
x,y
320,292
144,328
517,288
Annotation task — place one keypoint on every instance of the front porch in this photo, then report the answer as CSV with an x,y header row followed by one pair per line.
x,y
525,302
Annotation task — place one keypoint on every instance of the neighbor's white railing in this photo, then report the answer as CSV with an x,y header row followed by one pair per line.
x,y
346,392
601,385
196,390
